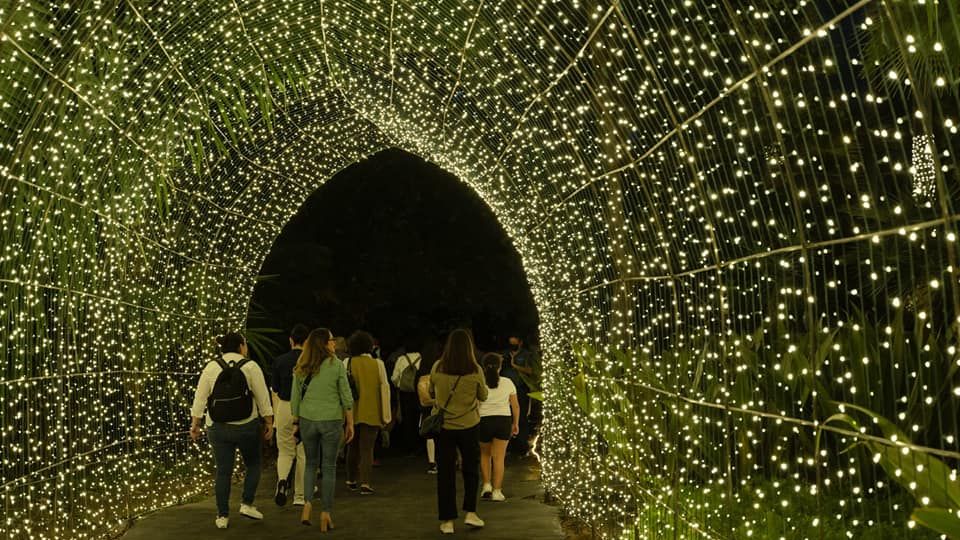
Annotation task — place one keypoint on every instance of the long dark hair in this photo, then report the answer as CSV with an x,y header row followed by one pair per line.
x,y
458,356
491,363
314,353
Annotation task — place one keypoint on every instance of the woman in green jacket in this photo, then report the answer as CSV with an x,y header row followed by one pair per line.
x,y
320,401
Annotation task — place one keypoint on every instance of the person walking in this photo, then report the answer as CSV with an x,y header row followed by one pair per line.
x,y
499,421
459,386
404,379
321,405
523,368
371,409
234,394
288,447
431,354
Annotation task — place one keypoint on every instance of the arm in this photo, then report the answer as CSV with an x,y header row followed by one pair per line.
x,y
398,370
295,397
199,403
386,414
515,412
343,388
520,367
348,428
260,394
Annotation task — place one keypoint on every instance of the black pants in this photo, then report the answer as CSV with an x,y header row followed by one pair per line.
x,y
410,424
448,441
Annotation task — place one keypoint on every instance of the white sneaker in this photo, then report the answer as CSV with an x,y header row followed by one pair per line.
x,y
473,520
250,511
486,491
222,522
446,527
497,496
298,500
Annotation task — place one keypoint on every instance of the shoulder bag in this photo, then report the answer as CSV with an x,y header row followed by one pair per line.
x,y
432,424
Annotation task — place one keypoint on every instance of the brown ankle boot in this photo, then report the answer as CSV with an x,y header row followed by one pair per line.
x,y
305,514
325,522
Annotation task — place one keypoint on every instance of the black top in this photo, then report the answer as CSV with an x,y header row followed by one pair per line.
x,y
281,381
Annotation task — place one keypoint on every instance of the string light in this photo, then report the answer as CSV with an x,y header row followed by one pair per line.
x,y
748,311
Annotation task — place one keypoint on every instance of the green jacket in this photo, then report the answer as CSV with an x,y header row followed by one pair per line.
x,y
327,397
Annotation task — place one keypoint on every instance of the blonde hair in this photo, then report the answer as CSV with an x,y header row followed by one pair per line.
x,y
314,354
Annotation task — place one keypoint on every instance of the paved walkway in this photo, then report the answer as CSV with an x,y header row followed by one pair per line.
x,y
404,507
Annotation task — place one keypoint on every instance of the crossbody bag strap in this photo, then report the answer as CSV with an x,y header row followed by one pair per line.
x,y
304,385
443,410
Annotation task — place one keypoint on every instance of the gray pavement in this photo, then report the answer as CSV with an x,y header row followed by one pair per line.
x,y
404,507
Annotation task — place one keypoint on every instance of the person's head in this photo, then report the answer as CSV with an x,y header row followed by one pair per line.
x,y
232,342
515,343
491,363
411,343
342,350
317,348
458,355
298,334
360,342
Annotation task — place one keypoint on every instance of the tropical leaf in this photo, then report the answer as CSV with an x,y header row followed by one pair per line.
x,y
942,520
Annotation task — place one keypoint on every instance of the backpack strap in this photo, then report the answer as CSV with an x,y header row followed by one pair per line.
x,y
222,363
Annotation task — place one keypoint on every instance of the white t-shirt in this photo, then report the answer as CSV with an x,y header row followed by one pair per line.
x,y
498,399
255,381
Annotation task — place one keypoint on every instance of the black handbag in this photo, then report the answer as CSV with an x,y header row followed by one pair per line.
x,y
431,426
303,391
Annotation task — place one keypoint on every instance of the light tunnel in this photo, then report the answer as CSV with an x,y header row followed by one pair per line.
x,y
738,220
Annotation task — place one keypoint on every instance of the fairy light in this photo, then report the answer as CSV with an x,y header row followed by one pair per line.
x,y
745,320
923,168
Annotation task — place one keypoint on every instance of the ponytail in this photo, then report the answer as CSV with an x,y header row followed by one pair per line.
x,y
491,369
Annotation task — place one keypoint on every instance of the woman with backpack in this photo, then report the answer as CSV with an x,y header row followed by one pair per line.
x,y
499,421
234,394
320,402
458,387
404,379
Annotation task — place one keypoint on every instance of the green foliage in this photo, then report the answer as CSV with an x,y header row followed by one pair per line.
x,y
889,49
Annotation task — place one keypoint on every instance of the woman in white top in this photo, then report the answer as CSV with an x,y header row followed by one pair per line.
x,y
233,421
499,421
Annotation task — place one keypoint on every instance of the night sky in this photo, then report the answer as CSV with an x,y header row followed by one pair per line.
x,y
395,246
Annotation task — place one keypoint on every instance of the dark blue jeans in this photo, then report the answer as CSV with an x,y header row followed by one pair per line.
x,y
321,440
226,439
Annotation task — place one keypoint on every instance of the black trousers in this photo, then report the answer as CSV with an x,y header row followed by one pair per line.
x,y
448,441
410,424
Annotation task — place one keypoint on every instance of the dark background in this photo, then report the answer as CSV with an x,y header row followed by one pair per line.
x,y
398,247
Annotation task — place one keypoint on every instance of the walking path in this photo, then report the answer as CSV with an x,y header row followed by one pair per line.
x,y
404,507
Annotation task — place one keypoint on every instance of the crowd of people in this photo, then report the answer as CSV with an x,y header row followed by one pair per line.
x,y
330,397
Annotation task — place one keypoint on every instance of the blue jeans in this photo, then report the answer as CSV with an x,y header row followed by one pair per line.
x,y
226,439
321,438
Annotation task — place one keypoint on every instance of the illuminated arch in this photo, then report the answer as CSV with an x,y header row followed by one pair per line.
x,y
733,218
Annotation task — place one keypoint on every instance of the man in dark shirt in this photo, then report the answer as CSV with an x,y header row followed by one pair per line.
x,y
522,367
287,445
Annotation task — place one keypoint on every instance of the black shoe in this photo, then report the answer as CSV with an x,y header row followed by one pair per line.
x,y
432,469
366,490
352,486
281,497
